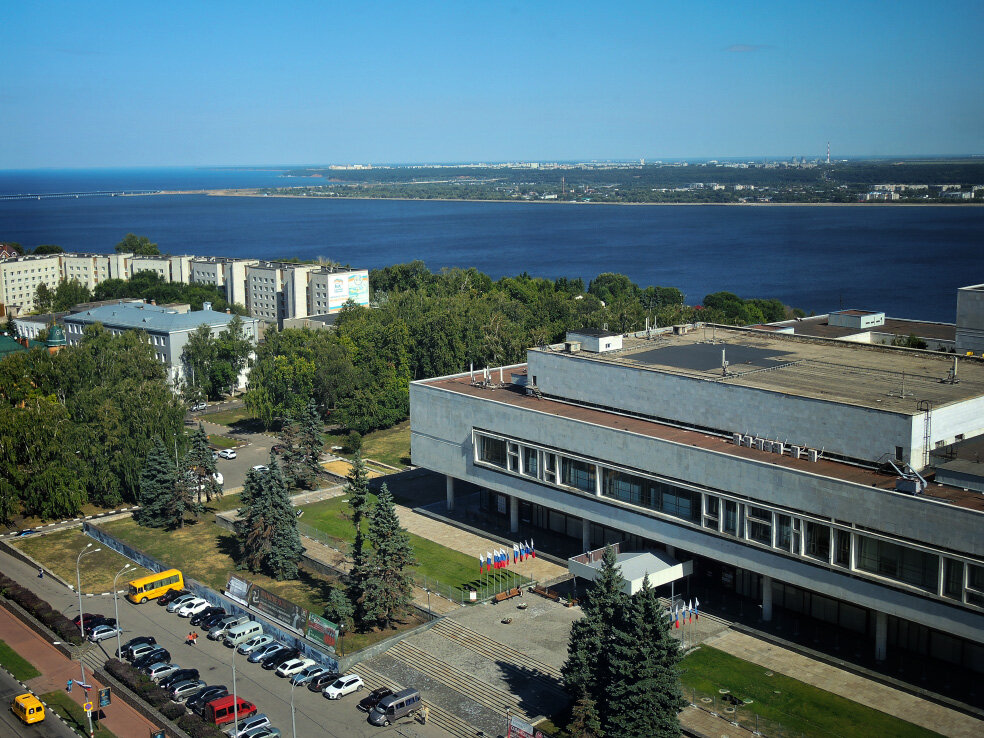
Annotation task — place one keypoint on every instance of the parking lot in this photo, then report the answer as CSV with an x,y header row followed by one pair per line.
x,y
256,451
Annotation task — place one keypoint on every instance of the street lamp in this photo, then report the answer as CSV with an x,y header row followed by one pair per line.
x,y
116,604
78,587
293,725
235,698
81,667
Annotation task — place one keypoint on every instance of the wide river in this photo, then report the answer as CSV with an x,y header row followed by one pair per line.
x,y
906,261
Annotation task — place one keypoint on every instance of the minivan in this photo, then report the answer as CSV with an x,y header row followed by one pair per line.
x,y
395,706
221,711
241,633
225,625
28,708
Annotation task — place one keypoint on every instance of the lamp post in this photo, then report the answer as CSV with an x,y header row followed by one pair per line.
x,y
78,587
81,667
235,698
293,725
116,604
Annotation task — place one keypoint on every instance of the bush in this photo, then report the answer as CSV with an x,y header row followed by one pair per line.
x,y
195,727
172,711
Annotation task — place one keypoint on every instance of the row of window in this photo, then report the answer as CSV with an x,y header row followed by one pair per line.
x,y
755,524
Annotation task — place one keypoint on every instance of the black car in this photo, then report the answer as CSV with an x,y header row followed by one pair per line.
x,y
196,703
212,620
179,676
373,698
171,594
320,682
272,661
124,651
158,654
200,618
91,625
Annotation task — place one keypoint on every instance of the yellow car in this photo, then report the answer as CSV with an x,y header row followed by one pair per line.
x,y
28,708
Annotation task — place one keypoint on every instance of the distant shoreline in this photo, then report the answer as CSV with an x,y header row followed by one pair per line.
x,y
247,192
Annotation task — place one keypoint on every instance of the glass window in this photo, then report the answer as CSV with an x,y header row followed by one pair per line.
x,y
530,466
817,541
578,474
730,517
711,503
784,532
897,562
953,574
842,550
492,450
628,488
760,532
680,503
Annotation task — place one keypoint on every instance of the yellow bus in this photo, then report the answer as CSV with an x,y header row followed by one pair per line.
x,y
154,585
28,708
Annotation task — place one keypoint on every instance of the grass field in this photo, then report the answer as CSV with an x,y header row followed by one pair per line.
x,y
222,441
239,415
799,707
390,446
59,551
21,668
73,714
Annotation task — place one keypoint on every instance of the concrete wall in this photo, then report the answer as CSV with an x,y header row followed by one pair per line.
x,y
855,432
970,319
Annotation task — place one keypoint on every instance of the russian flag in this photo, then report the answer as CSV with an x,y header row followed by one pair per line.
x,y
515,552
696,610
676,617
505,558
532,550
488,560
481,564
690,612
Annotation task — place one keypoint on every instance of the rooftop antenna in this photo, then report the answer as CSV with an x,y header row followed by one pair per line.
x,y
951,375
828,152
902,393
724,364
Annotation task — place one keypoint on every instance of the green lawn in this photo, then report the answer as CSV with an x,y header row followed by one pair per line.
x,y
240,415
222,441
390,446
439,562
21,668
73,713
800,708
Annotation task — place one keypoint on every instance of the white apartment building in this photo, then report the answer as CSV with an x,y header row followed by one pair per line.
x,y
279,291
20,278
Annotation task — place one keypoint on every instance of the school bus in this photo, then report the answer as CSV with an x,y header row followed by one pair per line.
x,y
28,708
153,586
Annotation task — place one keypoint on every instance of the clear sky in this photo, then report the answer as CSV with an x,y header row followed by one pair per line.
x,y
173,83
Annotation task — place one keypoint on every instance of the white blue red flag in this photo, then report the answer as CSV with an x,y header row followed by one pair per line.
x,y
488,560
532,549
696,609
515,552
481,564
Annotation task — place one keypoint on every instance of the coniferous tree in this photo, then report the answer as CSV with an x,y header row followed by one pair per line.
x,y
158,482
338,608
200,471
290,454
252,526
389,585
643,697
311,441
585,722
285,547
358,500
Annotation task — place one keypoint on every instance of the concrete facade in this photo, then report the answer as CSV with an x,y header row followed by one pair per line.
x,y
970,320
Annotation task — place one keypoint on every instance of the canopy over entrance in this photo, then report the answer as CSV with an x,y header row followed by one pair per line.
x,y
660,567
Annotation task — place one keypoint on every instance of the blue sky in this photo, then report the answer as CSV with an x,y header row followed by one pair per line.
x,y
142,84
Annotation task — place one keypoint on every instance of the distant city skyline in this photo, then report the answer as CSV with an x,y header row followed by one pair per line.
x,y
250,84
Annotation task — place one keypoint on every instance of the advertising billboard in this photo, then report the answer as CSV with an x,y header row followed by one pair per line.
x,y
321,631
277,608
347,286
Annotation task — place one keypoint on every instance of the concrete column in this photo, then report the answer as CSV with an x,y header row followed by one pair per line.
x,y
881,636
670,550
766,599
450,486
514,514
585,534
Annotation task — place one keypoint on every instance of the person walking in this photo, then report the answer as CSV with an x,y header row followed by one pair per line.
x,y
68,686
189,640
194,639
40,573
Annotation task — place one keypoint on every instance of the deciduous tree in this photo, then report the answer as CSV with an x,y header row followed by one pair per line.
x,y
139,245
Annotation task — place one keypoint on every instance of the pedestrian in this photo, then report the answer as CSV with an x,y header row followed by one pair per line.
x,y
40,573
424,712
189,640
194,639
68,686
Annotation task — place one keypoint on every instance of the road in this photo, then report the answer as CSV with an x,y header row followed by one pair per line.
x,y
256,451
315,715
10,724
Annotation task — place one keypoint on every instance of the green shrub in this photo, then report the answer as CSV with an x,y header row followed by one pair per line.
x,y
195,727
172,711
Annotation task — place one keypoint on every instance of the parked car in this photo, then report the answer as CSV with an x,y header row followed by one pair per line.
x,y
133,643
396,706
306,675
199,406
274,660
292,667
210,621
192,607
251,723
321,681
160,670
215,456
102,632
219,479
180,691
198,618
267,731
155,656
93,624
171,594
373,698
261,468
255,642
138,651
261,653
196,703
217,632
88,617
180,675
227,453
342,686
178,602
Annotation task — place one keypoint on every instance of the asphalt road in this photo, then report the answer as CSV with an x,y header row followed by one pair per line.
x,y
10,724
256,451
315,715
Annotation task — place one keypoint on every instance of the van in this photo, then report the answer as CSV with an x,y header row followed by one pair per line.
x,y
221,711
225,625
395,706
236,635
28,708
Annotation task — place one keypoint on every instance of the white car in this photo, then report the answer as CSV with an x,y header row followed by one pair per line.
x,y
102,632
219,479
289,668
178,602
192,607
227,453
255,643
342,686
248,724
261,468
198,406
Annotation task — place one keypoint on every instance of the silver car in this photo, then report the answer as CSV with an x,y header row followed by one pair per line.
x,y
160,670
183,690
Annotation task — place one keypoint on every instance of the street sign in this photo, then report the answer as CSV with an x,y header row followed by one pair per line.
x,y
158,734
104,697
87,706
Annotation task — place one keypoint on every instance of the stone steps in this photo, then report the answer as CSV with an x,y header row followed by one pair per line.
x,y
495,651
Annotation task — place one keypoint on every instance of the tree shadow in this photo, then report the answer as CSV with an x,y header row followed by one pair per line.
x,y
538,692
231,546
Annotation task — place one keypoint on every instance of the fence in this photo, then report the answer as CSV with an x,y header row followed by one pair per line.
x,y
742,713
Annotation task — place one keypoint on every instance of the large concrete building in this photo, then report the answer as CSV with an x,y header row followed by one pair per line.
x,y
790,469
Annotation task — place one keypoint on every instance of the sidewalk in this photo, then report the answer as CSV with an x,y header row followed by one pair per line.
x,y
850,686
120,719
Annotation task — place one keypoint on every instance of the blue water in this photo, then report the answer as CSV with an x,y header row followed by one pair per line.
x,y
907,261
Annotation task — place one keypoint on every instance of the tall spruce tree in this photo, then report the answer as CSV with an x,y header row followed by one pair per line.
x,y
358,501
252,527
588,668
311,440
268,526
643,697
200,471
389,585
291,455
158,483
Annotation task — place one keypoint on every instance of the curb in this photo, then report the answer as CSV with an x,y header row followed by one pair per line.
x,y
67,522
46,709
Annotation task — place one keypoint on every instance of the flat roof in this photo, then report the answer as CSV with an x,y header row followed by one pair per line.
x,y
818,327
595,332
855,312
856,374
516,396
140,316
